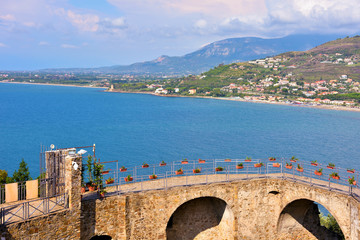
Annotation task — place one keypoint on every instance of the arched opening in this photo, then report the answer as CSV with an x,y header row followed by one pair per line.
x,y
301,218
201,218
101,237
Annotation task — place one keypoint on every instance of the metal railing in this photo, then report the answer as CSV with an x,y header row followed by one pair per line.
x,y
34,208
166,176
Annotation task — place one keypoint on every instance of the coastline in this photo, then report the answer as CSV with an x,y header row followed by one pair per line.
x,y
54,84
321,106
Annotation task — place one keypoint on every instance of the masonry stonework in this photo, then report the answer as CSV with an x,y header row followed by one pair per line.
x,y
245,209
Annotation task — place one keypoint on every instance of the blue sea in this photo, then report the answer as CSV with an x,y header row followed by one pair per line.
x,y
137,128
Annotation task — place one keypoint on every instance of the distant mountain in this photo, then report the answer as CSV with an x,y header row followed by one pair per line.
x,y
224,51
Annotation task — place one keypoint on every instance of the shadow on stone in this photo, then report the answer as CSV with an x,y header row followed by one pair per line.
x,y
301,217
101,237
87,219
197,216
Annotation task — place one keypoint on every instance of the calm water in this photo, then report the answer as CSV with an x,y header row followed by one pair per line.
x,y
134,128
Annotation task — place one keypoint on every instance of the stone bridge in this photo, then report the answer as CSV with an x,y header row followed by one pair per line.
x,y
253,208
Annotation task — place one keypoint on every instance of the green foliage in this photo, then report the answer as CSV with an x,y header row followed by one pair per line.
x,y
22,174
3,176
330,223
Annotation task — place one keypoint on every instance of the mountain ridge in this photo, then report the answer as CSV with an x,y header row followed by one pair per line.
x,y
224,51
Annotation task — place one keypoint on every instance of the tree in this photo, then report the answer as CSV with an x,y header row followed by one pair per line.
x,y
3,176
22,174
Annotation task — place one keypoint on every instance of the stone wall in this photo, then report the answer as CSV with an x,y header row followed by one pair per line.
x,y
60,225
246,209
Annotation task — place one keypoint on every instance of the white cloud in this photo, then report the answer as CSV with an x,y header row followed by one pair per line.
x,y
2,45
68,46
84,22
7,17
44,43
200,23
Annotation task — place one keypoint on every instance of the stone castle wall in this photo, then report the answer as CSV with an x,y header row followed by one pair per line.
x,y
246,209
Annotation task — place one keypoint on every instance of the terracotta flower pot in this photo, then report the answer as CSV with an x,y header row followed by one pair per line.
x,y
201,161
179,173
274,159
105,172
227,160
329,167
318,173
239,167
354,183
218,170
184,162
336,177
128,180
145,166
162,164
109,182
152,177
276,165
292,160
92,188
257,165
314,164
83,189
351,171
195,171
123,169
289,167
300,170
247,160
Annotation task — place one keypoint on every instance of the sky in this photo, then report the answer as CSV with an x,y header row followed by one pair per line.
x,y
36,34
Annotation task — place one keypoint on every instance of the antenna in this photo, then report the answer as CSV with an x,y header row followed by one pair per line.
x,y
52,146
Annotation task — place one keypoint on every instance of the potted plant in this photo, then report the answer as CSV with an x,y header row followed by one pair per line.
x,y
83,188
352,180
276,165
248,159
102,193
240,166
227,160
129,178
257,165
331,166
350,170
185,161
201,161
335,175
105,172
318,172
92,187
163,163
289,166
272,159
109,180
299,168
179,171
196,170
145,165
153,176
98,177
293,159
219,169
314,163
123,169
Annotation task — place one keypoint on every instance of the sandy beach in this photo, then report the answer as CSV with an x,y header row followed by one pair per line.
x,y
320,106
54,84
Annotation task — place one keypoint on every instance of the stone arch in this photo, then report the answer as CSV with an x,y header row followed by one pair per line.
x,y
201,218
101,237
300,218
